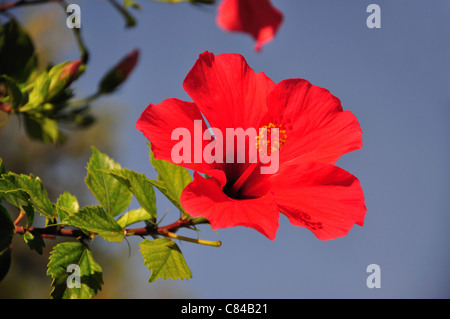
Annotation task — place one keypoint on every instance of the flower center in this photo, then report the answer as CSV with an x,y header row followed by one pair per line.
x,y
270,139
266,142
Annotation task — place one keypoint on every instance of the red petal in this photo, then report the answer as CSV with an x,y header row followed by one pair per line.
x,y
204,197
227,91
157,123
321,197
317,129
256,17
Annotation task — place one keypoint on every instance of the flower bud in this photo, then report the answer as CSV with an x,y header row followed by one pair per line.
x,y
70,71
61,76
119,73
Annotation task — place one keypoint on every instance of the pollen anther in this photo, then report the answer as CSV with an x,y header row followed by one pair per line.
x,y
264,139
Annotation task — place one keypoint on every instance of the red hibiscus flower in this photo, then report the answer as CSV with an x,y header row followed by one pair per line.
x,y
256,17
314,131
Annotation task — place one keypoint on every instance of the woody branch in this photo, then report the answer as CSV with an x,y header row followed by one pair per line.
x,y
166,231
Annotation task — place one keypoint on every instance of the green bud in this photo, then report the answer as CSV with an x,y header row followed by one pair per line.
x,y
61,76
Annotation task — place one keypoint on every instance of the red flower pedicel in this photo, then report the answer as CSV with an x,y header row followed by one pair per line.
x,y
314,131
256,17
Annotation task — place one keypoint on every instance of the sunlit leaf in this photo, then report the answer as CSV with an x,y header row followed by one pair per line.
x,y
172,179
134,216
164,259
139,185
66,254
96,220
19,185
66,205
110,192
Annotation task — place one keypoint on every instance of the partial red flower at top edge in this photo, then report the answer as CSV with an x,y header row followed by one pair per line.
x,y
314,131
259,18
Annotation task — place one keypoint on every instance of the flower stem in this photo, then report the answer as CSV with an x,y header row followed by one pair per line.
x,y
84,101
166,231
19,218
193,240
19,3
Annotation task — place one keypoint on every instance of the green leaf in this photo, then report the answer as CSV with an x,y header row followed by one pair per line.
x,y
16,185
164,259
172,179
6,233
18,198
43,129
5,262
96,220
66,205
73,253
16,52
134,216
38,195
38,94
14,96
110,192
29,211
11,193
34,241
139,185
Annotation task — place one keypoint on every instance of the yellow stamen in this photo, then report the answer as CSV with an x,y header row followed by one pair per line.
x,y
264,139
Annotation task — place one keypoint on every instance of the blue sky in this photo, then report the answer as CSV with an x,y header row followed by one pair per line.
x,y
396,80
